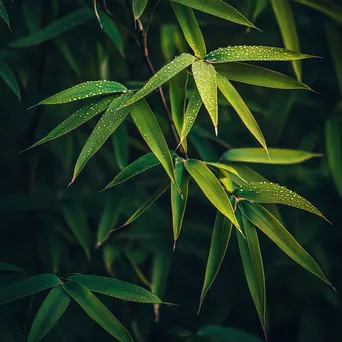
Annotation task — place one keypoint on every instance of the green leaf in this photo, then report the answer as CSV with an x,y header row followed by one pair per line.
x,y
106,126
4,15
178,202
267,192
234,98
95,309
259,7
211,187
28,287
139,8
120,141
205,78
84,90
217,8
67,53
163,75
253,266
226,167
326,7
9,77
218,247
270,226
53,307
58,27
4,266
191,30
82,115
255,75
140,165
116,288
276,156
111,253
150,130
287,26
77,222
167,41
253,53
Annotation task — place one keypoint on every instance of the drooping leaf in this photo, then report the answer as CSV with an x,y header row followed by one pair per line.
x,y
58,27
259,7
139,8
205,78
138,166
253,53
276,156
255,75
270,226
211,187
111,253
69,56
234,98
178,202
4,266
227,167
253,266
191,30
217,8
52,308
9,77
121,145
4,15
116,288
267,192
96,310
287,26
218,247
106,126
163,75
226,180
84,90
167,41
28,287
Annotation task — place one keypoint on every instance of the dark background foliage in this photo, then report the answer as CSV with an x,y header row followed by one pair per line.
x,y
35,235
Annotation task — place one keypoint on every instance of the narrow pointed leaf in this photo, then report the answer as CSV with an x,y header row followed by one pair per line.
x,y
4,15
217,8
121,145
254,53
4,266
255,75
236,101
116,288
226,180
96,310
191,30
178,202
84,90
58,27
167,41
52,308
218,247
150,130
163,75
276,156
259,7
211,187
111,253
287,26
140,165
205,78
9,77
270,226
106,126
139,8
226,167
28,287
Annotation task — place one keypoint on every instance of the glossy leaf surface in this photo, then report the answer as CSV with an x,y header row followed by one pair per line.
x,y
138,8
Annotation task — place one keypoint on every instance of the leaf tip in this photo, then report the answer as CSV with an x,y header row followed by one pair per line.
x,y
199,307
216,130
72,181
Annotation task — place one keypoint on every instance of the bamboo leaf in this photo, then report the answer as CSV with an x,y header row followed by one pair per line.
x,y
227,167
95,309
167,41
9,77
139,8
276,156
211,187
260,6
116,288
217,8
234,98
53,307
287,26
28,287
4,266
255,75
4,15
254,53
191,30
205,78
120,141
111,253
270,226
218,247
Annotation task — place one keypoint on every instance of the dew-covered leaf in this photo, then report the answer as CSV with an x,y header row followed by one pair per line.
x,y
4,266
191,30
96,310
139,8
52,308
205,78
276,156
116,288
217,8
4,14
236,101
255,75
253,53
9,77
28,287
